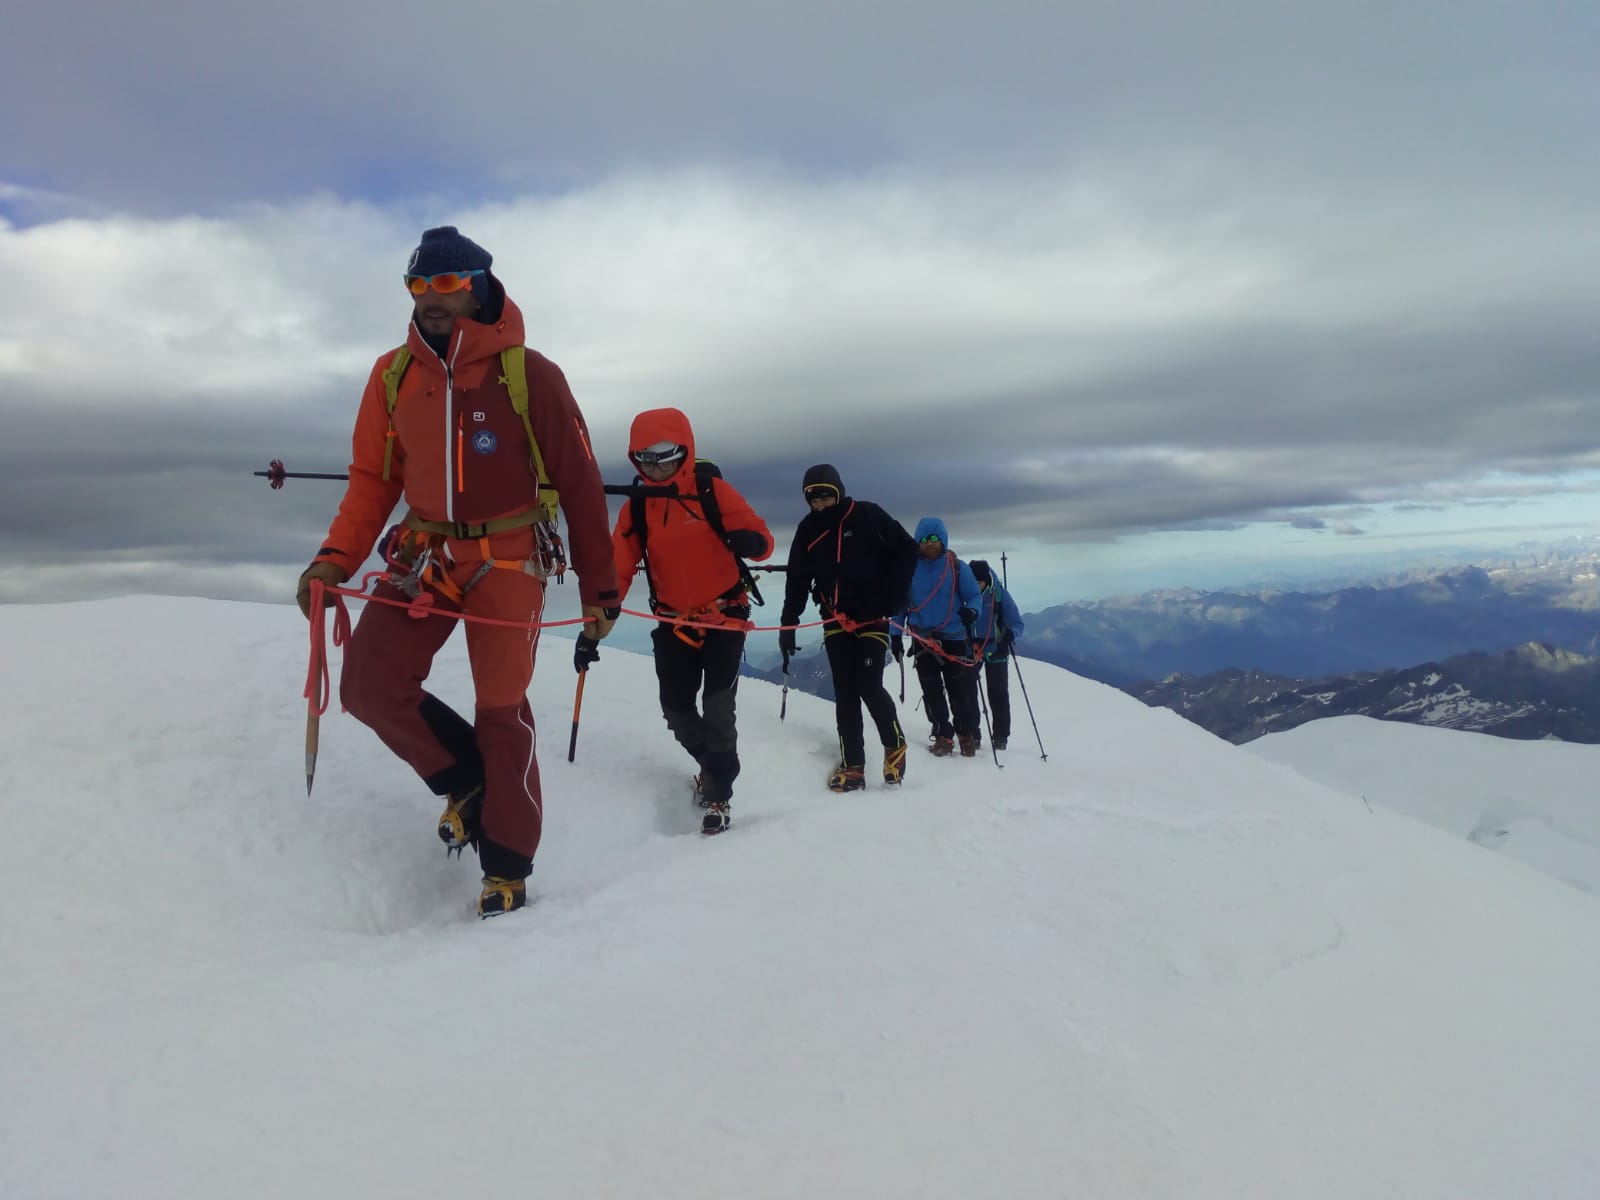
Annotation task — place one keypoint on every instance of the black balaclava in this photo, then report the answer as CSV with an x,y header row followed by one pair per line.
x,y
826,475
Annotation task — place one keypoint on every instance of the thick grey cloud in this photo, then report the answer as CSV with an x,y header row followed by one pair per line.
x,y
1061,276
168,106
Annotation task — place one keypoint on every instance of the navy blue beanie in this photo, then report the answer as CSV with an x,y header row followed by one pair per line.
x,y
444,249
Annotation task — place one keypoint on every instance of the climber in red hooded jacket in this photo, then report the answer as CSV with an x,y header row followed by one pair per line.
x,y
694,577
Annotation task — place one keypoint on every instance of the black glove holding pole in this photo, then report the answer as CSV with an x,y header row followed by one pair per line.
x,y
587,653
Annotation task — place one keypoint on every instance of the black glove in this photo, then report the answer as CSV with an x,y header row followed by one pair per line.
x,y
745,543
786,645
587,653
967,615
897,647
1007,640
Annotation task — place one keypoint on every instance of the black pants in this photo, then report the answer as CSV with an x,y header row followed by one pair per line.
x,y
951,670
997,682
708,731
857,659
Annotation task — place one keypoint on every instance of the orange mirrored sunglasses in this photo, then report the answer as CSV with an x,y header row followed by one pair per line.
x,y
444,282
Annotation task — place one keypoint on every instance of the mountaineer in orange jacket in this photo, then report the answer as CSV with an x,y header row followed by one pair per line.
x,y
694,575
473,542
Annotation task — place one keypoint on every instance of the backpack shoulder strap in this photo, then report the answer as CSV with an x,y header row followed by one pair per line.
x,y
706,473
391,390
514,375
641,530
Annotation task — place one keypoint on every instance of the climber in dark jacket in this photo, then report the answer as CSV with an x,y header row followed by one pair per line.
x,y
856,561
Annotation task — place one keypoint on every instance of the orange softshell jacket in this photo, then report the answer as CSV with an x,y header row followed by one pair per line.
x,y
461,453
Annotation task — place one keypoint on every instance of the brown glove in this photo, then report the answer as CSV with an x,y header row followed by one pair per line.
x,y
598,619
330,573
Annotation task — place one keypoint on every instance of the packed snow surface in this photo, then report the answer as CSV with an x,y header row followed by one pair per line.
x,y
1153,965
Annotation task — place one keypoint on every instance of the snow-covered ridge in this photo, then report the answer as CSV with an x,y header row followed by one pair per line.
x,y
1151,966
1533,801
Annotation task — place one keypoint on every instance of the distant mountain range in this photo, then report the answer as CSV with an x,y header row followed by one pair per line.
x,y
1243,663
1533,691
1307,635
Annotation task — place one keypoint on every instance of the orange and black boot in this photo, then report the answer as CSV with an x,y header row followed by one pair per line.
x,y
847,779
500,896
894,763
458,824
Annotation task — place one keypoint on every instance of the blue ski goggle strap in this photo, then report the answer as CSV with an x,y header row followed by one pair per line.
x,y
658,458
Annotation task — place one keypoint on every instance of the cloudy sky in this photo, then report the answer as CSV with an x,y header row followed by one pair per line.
x,y
1142,294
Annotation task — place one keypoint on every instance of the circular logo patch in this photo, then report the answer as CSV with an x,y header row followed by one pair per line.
x,y
484,442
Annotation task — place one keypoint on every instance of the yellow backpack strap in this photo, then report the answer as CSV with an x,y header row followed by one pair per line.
x,y
391,388
514,364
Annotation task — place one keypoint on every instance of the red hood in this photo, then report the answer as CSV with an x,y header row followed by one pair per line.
x,y
665,425
477,340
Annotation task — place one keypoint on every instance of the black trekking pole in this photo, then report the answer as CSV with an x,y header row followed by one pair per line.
x,y
275,474
983,703
1014,662
783,709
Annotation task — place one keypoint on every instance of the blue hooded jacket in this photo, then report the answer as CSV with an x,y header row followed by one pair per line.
x,y
939,591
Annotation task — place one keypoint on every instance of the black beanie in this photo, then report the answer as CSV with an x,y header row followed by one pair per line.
x,y
444,249
823,475
980,571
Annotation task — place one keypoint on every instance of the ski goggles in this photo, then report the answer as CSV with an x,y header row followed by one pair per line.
x,y
824,492
444,282
658,458
932,539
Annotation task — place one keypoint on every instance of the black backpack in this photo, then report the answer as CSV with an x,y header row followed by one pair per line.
x,y
705,491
